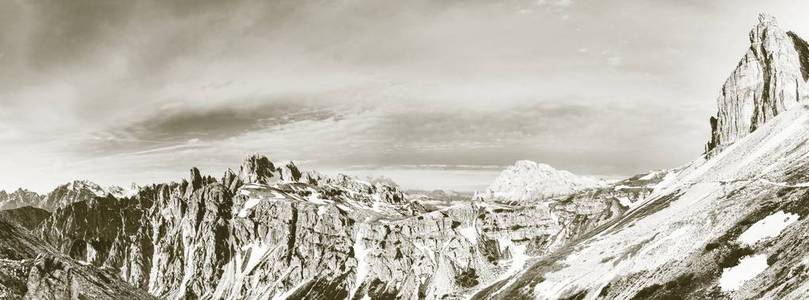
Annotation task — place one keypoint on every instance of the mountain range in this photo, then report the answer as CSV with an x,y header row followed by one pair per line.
x,y
730,224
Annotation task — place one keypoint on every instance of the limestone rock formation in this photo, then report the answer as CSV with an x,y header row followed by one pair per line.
x,y
256,235
528,180
770,78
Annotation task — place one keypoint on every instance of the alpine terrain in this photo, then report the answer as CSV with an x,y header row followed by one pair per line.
x,y
731,224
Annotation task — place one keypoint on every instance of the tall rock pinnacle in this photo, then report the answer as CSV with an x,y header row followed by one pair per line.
x,y
770,78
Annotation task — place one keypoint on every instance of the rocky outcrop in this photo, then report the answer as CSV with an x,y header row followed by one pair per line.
x,y
19,198
770,78
528,180
31,269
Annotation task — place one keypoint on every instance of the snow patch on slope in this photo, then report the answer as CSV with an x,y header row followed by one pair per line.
x,y
470,234
769,227
360,253
257,251
518,260
748,268
248,205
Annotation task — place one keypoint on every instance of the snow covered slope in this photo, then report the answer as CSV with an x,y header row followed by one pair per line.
x,y
528,180
691,236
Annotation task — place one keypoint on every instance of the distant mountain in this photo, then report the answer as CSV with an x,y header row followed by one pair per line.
x,y
71,192
438,199
528,180
19,198
62,195
123,192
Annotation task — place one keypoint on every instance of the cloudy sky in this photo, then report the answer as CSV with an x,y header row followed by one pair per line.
x,y
430,93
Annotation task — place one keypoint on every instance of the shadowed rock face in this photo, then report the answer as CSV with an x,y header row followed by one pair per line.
x,y
770,78
31,269
27,217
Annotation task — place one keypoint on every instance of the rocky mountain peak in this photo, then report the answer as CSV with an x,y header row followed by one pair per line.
x,y
765,18
257,168
124,192
529,180
196,178
71,192
84,184
534,166
769,79
19,198
289,172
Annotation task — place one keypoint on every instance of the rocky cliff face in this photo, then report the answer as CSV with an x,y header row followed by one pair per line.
x,y
770,78
31,269
27,217
528,180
